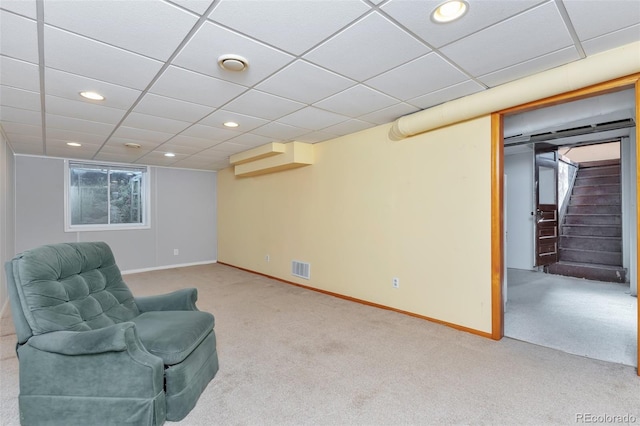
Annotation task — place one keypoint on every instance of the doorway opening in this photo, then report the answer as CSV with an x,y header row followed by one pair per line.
x,y
581,315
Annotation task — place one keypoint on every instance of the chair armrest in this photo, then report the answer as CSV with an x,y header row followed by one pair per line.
x,y
114,338
180,300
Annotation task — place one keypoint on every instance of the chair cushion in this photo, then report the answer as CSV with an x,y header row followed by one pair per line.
x,y
173,335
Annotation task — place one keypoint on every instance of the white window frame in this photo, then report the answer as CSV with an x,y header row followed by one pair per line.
x,y
145,188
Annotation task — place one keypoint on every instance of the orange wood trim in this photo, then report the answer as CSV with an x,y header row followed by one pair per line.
x,y
585,92
638,217
364,302
497,227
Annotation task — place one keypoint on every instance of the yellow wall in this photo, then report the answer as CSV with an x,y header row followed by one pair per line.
x,y
371,209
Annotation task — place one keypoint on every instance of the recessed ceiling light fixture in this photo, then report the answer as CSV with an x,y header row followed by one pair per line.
x,y
132,145
94,96
169,154
449,11
233,63
74,144
230,124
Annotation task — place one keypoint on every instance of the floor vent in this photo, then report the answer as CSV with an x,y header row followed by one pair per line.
x,y
300,269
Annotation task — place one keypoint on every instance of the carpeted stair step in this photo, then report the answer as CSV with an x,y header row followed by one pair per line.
x,y
593,230
594,209
608,273
591,256
604,189
597,180
608,244
599,171
606,199
592,219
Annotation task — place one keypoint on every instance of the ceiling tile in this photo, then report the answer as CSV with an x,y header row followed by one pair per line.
x,y
26,148
21,7
179,149
162,106
454,92
294,26
389,114
536,32
429,73
18,37
82,109
141,134
17,115
360,47
198,6
82,56
151,122
157,158
118,145
357,101
23,129
225,147
523,69
69,86
312,118
315,137
349,126
19,74
201,54
594,18
211,154
60,149
190,86
263,105
279,131
415,15
19,98
190,141
150,28
67,123
211,133
74,136
219,117
250,140
305,82
194,163
612,40
116,157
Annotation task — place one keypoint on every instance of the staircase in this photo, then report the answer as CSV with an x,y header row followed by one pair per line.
x,y
591,233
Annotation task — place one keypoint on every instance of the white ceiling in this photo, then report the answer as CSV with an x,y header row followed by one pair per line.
x,y
318,69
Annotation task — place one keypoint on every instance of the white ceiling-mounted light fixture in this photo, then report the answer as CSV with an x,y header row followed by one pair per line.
x,y
231,124
232,62
133,145
169,154
449,11
94,96
74,144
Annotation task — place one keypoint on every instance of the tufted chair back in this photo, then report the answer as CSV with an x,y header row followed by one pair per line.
x,y
71,286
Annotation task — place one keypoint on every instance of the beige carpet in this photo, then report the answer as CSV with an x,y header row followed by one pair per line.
x,y
290,356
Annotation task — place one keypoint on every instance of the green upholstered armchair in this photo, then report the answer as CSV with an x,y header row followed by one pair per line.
x,y
92,354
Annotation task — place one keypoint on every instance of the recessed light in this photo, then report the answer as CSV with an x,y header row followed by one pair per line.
x,y
233,62
74,144
230,124
449,11
94,96
169,154
132,145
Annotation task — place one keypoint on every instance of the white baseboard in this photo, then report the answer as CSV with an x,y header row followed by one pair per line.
x,y
159,268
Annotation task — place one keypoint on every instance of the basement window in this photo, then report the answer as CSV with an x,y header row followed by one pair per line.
x,y
100,197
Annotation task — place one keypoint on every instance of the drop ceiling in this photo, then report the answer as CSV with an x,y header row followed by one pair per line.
x,y
318,69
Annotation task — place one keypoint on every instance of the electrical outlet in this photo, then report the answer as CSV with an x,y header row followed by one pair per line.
x,y
176,252
395,282
267,258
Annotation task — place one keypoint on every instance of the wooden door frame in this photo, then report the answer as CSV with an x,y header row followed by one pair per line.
x,y
497,187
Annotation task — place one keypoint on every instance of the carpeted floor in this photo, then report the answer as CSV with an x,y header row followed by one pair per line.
x,y
582,317
290,356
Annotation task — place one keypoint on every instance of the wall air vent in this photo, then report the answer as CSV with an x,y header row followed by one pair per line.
x,y
301,269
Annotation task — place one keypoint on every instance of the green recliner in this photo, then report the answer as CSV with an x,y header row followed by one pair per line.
x,y
92,354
